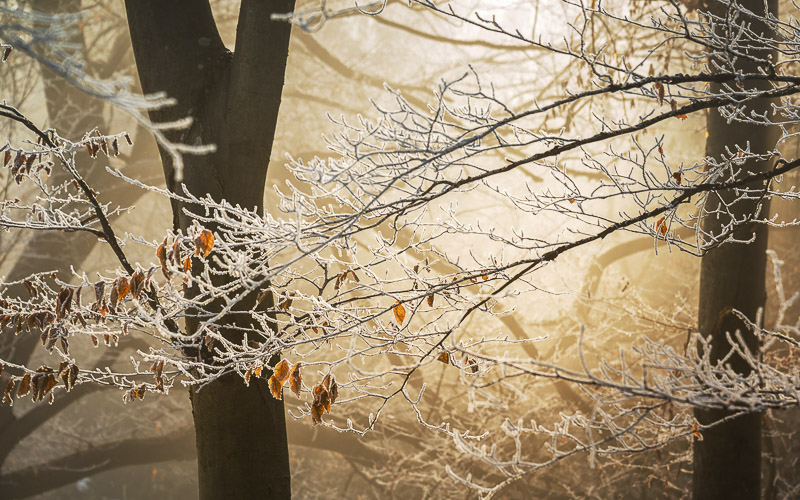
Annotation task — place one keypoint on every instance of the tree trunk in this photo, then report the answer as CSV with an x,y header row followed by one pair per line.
x,y
233,100
727,461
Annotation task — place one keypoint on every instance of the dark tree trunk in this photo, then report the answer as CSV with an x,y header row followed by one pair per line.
x,y
727,462
233,99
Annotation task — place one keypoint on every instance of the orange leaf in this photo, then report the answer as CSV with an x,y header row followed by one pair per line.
x,y
286,302
275,387
682,117
661,226
175,254
325,401
322,397
696,432
24,385
333,391
295,379
316,413
137,284
399,313
317,391
281,372
157,368
204,242
187,265
262,295
122,287
7,395
330,393
444,358
161,253
430,300
660,89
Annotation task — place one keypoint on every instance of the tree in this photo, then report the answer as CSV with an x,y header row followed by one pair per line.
x,y
286,294
233,100
728,461
74,108
250,123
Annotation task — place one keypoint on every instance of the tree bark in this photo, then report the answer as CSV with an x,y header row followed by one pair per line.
x,y
727,461
233,100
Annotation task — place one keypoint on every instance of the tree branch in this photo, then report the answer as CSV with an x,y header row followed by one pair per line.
x,y
68,469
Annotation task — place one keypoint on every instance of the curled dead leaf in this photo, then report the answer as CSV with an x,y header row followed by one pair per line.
x,y
275,387
316,413
660,90
161,253
281,372
322,397
123,287
204,242
137,284
399,313
296,379
661,226
7,394
24,385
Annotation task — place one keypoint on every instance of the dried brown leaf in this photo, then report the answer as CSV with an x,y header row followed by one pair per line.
x,y
281,372
161,253
316,413
296,379
399,313
204,242
24,385
123,287
9,389
275,387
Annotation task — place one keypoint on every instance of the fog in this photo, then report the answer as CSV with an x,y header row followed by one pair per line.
x,y
581,309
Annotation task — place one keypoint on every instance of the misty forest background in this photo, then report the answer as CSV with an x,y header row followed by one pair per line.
x,y
619,288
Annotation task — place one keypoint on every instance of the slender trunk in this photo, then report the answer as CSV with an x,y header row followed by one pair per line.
x,y
233,100
727,461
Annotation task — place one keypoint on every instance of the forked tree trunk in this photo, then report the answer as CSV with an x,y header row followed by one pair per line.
x,y
233,99
727,461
